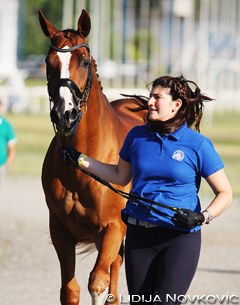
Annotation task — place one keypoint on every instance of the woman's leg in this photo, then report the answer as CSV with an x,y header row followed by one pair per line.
x,y
160,264
176,268
140,264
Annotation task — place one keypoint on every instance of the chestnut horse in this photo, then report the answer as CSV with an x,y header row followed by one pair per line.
x,y
82,210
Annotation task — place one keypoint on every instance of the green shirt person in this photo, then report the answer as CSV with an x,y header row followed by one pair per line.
x,y
7,143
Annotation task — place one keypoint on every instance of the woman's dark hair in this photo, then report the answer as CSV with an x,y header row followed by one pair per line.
x,y
191,110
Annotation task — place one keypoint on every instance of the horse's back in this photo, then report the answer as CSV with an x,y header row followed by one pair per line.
x,y
124,109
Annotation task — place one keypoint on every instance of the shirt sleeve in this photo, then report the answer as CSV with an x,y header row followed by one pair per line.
x,y
209,160
125,150
11,138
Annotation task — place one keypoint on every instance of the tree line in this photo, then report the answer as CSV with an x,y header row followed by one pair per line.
x,y
31,40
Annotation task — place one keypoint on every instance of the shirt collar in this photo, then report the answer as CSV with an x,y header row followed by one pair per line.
x,y
176,135
179,132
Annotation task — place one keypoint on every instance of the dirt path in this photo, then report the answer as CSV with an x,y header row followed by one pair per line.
x,y
29,269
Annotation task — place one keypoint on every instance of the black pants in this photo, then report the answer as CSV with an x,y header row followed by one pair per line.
x,y
160,264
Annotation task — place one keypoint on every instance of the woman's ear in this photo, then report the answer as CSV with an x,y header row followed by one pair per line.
x,y
177,105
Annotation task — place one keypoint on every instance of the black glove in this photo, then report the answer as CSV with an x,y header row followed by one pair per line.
x,y
188,219
70,155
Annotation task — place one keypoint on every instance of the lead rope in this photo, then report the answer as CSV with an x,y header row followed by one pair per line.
x,y
130,196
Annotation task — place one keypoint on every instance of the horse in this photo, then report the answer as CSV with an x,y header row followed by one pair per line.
x,y
81,210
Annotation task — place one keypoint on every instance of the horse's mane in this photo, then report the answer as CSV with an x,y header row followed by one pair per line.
x,y
95,68
140,100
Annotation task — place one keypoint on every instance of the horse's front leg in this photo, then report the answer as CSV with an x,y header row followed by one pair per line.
x,y
65,248
113,294
108,256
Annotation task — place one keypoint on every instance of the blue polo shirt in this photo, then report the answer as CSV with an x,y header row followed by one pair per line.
x,y
167,169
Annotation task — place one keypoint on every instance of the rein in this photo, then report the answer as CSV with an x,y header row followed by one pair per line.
x,y
130,196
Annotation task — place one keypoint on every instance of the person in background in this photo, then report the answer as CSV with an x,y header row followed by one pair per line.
x,y
165,159
7,144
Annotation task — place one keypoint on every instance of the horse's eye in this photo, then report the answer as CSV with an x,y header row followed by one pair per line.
x,y
85,63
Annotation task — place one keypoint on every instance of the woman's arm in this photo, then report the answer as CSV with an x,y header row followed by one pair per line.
x,y
223,192
120,173
223,196
11,153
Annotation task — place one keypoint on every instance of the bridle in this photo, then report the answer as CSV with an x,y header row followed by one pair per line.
x,y
80,97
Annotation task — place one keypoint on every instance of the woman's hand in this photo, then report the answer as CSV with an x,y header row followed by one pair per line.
x,y
70,155
188,219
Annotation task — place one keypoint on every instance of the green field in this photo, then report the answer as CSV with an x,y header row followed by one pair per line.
x,y
34,133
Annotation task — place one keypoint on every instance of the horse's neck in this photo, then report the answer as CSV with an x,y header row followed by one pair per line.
x,y
100,120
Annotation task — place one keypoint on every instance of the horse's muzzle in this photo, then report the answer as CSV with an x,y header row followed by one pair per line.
x,y
64,121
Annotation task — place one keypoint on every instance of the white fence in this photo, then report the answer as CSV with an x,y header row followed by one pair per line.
x,y
135,41
35,100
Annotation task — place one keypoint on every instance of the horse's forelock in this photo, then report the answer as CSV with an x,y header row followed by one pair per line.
x,y
63,37
69,33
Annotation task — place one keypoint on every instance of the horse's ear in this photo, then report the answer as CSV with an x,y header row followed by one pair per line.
x,y
48,29
84,24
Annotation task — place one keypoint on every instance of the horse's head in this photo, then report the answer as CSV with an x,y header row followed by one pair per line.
x,y
69,71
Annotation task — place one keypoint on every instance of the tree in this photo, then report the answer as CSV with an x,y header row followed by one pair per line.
x,y
34,41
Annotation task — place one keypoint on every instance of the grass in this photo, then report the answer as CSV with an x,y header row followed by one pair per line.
x,y
34,133
224,131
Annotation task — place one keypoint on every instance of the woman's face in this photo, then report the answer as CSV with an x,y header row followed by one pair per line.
x,y
161,107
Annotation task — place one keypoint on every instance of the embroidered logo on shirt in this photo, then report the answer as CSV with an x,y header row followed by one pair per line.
x,y
178,155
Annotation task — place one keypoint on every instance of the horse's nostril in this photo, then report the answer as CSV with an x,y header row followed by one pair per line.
x,y
67,115
54,117
71,115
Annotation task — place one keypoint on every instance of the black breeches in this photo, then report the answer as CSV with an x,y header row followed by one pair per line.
x,y
160,264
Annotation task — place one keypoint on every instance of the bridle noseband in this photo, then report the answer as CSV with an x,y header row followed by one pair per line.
x,y
79,96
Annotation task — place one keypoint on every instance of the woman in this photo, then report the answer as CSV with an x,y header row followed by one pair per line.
x,y
165,159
